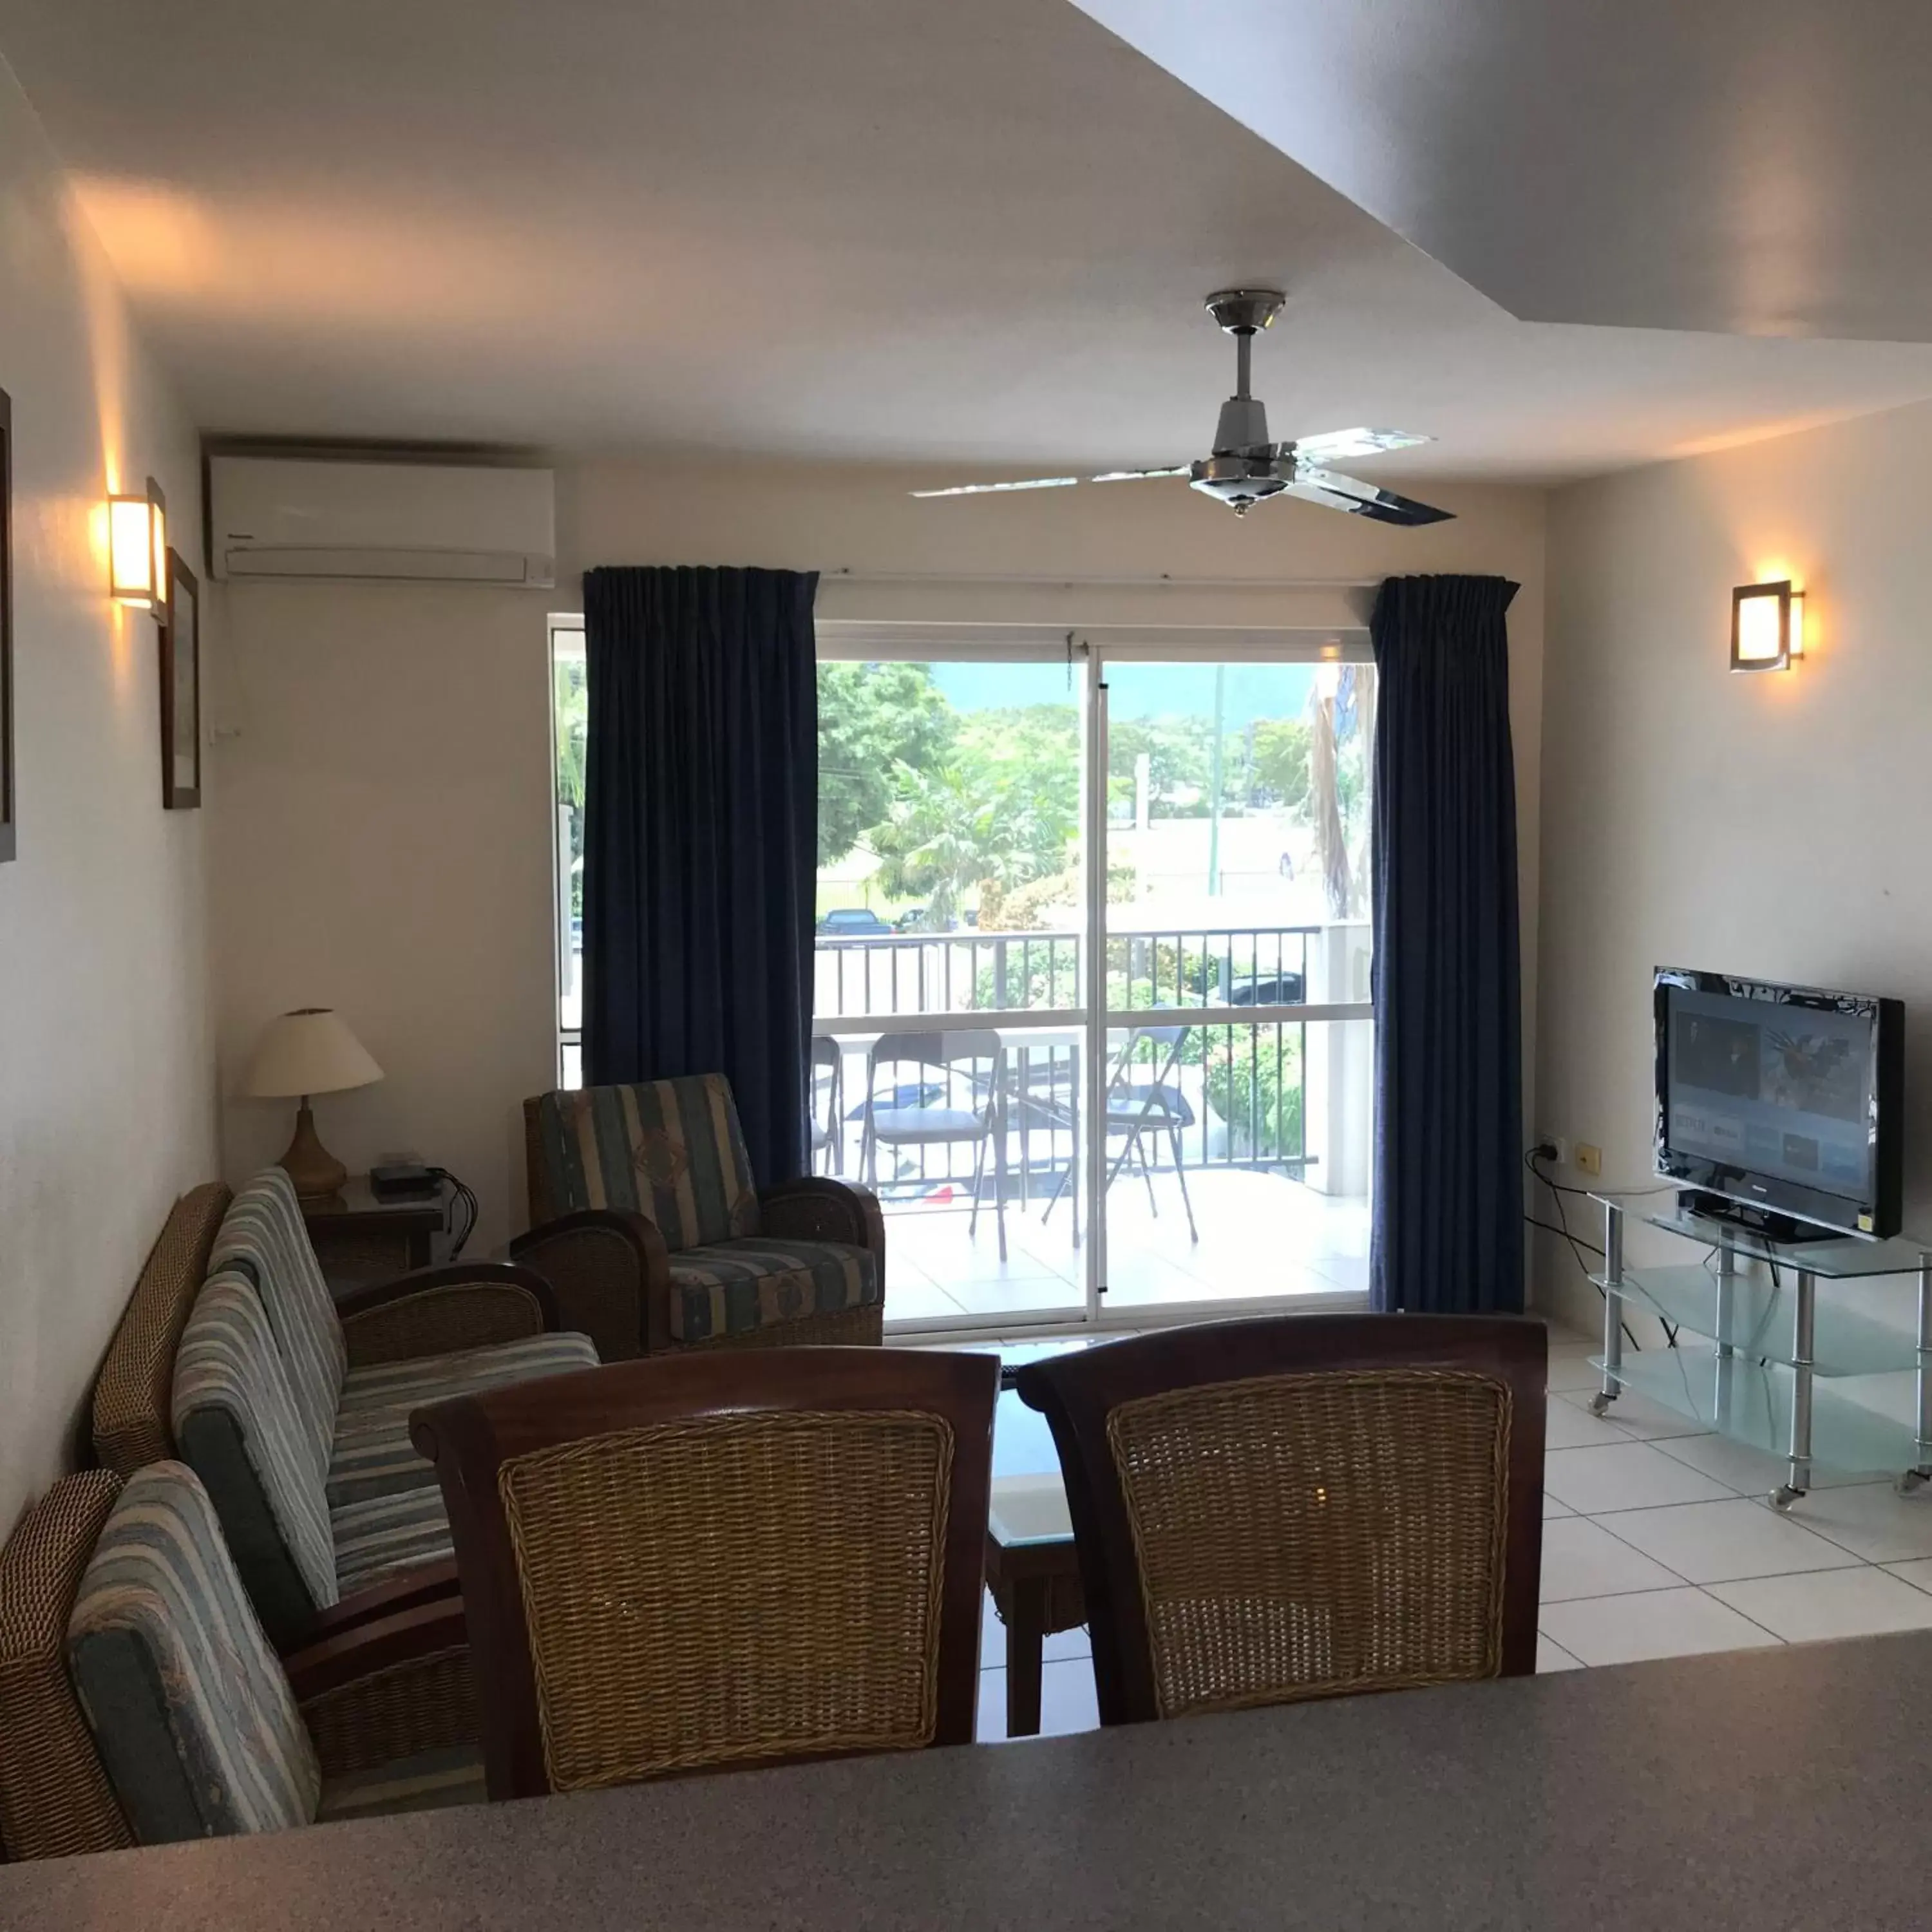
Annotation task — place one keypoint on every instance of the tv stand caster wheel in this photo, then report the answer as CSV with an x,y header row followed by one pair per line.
x,y
1600,1403
1784,1495
1911,1480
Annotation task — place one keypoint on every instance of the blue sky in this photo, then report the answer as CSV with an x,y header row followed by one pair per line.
x,y
1136,690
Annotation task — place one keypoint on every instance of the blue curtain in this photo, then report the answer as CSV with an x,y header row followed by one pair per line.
x,y
1448,1236
700,818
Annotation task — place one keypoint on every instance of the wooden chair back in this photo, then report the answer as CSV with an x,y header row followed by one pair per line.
x,y
720,1560
1303,1507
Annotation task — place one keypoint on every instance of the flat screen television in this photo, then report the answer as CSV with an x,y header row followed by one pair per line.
x,y
1785,1101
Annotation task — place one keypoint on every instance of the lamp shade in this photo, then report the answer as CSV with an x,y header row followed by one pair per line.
x,y
311,1051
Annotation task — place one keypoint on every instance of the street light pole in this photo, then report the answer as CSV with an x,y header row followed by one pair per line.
x,y
1214,787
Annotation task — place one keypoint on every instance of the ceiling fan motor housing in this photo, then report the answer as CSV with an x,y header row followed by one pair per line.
x,y
1241,481
1242,430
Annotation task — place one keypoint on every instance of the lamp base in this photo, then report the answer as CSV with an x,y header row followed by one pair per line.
x,y
316,1173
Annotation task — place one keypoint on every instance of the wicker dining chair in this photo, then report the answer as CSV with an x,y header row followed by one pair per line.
x,y
1303,1507
716,1560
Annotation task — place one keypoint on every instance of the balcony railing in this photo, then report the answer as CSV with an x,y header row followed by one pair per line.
x,y
1218,1094
874,975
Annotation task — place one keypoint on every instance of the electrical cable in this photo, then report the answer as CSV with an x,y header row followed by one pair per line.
x,y
1751,1347
466,1197
1577,1244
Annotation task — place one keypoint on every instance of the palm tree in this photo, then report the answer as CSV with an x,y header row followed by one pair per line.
x,y
945,836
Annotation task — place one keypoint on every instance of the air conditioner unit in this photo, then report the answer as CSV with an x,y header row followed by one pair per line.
x,y
417,522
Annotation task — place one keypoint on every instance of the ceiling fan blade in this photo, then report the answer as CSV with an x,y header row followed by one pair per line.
x,y
1136,475
1362,499
1334,444
988,489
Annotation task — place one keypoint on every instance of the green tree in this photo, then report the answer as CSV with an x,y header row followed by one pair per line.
x,y
1002,812
1280,768
939,842
1177,751
873,717
570,713
1025,761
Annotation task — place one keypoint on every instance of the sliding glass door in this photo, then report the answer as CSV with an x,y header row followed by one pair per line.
x,y
1235,1026
949,1061
1093,929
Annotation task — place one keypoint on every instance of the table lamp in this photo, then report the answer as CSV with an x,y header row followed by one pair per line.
x,y
310,1051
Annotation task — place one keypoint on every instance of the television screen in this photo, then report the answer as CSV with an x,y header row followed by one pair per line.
x,y
1781,1096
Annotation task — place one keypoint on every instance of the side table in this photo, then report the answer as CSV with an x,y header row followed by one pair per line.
x,y
360,1237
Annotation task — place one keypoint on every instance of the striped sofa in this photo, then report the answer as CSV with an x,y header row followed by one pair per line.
x,y
304,1448
652,1231
140,1701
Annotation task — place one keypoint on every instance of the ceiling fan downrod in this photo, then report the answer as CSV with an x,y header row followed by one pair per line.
x,y
1243,429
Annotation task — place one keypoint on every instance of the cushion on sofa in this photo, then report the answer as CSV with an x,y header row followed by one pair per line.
x,y
236,1420
423,1782
734,1287
264,1236
386,1533
190,1709
373,1456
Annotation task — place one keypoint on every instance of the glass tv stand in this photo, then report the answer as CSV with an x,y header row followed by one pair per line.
x,y
1842,1378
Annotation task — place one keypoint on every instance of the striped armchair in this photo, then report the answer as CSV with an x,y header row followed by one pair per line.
x,y
654,1235
140,1702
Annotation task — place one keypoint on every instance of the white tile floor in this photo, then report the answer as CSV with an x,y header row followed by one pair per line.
x,y
1658,1541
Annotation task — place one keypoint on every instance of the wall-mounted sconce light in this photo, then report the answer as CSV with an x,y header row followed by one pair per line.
x,y
1767,626
137,550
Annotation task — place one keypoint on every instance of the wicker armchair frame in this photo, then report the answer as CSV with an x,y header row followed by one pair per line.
x,y
378,1677
436,1311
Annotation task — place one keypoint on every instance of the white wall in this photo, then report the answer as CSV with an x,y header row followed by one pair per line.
x,y
106,1086
1773,825
384,753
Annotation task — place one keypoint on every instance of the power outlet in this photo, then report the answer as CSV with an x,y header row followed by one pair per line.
x,y
1589,1160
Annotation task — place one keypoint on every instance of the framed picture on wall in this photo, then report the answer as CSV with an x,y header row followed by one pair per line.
x,y
181,689
7,809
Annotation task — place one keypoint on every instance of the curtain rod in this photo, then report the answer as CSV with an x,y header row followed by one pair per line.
x,y
1163,580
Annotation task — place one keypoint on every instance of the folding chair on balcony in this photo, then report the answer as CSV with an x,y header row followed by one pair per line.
x,y
828,1083
1137,1107
967,1103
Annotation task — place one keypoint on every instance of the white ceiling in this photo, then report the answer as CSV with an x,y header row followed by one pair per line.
x,y
975,234
1759,166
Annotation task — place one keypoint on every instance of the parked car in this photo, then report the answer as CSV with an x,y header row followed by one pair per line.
x,y
1268,989
852,923
912,919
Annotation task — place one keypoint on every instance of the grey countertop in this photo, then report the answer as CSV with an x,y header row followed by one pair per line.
x,y
1762,1790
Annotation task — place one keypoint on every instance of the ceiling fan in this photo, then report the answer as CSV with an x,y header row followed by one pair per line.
x,y
1245,467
